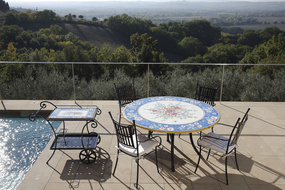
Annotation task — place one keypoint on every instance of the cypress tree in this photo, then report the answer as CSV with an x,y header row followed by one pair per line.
x,y
4,6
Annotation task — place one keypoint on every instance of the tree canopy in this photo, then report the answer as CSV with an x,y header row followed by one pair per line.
x,y
194,41
22,18
4,6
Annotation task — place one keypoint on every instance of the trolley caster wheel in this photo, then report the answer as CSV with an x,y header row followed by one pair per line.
x,y
87,156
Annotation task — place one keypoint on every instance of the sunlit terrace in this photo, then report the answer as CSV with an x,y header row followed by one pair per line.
x,y
260,151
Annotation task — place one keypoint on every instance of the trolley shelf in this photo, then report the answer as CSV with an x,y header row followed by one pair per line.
x,y
75,140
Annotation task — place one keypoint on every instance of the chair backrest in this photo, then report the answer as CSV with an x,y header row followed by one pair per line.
x,y
126,134
240,127
126,94
235,134
206,94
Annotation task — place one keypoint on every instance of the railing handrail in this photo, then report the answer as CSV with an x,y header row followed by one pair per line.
x,y
150,63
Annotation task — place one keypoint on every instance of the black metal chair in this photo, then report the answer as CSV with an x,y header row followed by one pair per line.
x,y
206,94
126,94
221,144
133,144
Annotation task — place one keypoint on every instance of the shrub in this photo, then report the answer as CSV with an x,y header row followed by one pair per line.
x,y
39,82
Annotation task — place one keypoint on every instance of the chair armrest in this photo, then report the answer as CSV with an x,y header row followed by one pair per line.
x,y
156,139
218,138
153,138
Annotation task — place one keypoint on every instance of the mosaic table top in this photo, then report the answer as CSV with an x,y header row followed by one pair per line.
x,y
73,114
171,114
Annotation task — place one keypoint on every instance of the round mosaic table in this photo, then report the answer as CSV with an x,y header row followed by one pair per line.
x,y
172,115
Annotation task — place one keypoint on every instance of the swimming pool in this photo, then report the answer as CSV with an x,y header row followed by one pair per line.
x,y
21,142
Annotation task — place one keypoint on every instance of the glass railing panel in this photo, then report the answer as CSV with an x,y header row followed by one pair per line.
x,y
95,81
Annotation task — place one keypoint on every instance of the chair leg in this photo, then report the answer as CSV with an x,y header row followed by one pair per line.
x,y
236,159
150,134
120,116
137,183
116,162
226,169
156,159
208,154
200,154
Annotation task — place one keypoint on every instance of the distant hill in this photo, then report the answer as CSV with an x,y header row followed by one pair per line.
x,y
97,35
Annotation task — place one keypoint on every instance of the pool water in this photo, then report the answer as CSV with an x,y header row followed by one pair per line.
x,y
21,142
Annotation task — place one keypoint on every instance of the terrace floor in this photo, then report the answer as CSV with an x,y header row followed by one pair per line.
x,y
261,155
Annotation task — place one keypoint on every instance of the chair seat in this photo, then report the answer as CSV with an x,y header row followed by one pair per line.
x,y
145,146
215,142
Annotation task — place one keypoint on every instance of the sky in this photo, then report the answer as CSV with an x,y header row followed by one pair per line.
x,y
13,1
21,3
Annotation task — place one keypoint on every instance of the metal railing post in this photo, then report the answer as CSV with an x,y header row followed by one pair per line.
x,y
221,93
148,80
73,82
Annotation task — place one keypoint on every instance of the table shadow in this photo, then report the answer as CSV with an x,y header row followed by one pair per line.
x,y
184,166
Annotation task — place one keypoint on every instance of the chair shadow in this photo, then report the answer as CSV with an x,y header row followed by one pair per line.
x,y
245,166
184,171
234,181
183,168
247,163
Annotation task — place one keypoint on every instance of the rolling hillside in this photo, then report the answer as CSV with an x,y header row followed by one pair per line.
x,y
97,35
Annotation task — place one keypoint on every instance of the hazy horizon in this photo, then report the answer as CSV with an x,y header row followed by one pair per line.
x,y
17,3
105,8
37,1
